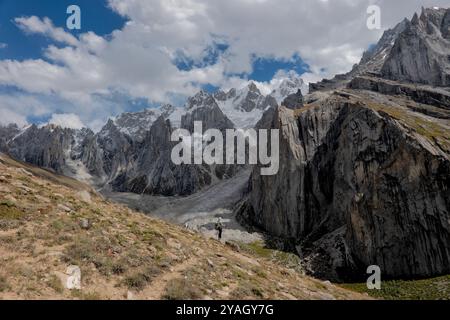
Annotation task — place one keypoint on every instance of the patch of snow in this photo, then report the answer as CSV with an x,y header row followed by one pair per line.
x,y
77,170
287,87
240,118
22,131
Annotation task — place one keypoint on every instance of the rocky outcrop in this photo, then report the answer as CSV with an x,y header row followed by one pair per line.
x,y
6,134
203,107
356,188
421,94
416,51
371,62
44,147
137,124
107,153
247,99
421,53
293,101
339,81
153,172
373,59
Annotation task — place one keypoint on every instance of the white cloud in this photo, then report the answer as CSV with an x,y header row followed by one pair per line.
x,y
34,25
14,108
330,36
71,121
3,45
9,116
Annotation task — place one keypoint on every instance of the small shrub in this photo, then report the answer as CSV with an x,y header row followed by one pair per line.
x,y
3,284
56,284
181,289
8,211
82,249
136,281
139,280
257,292
245,291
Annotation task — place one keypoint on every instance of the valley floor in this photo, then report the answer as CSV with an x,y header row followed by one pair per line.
x,y
199,211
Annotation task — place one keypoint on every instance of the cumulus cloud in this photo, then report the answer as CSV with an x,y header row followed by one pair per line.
x,y
71,121
34,25
138,60
14,108
9,116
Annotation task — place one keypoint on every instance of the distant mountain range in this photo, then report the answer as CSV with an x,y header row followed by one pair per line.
x,y
132,151
364,157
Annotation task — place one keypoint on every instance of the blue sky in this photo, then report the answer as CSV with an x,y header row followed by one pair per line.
x,y
99,18
133,54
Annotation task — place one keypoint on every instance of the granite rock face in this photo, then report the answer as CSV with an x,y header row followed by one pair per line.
x,y
421,94
294,101
203,107
107,153
421,53
152,171
356,188
415,51
6,134
137,124
44,146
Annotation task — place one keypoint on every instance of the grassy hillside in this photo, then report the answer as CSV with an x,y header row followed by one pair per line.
x,y
426,289
50,222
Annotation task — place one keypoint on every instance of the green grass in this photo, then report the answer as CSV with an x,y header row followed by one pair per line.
x,y
426,289
429,129
282,258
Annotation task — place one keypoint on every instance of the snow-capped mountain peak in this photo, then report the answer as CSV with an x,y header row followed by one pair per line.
x,y
200,100
136,124
288,87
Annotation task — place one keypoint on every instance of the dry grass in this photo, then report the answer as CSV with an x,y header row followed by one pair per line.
x,y
122,250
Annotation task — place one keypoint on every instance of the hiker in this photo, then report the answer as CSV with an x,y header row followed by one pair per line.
x,y
219,228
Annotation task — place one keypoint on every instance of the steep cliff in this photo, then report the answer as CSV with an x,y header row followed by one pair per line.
x,y
415,51
364,180
153,172
421,52
43,147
